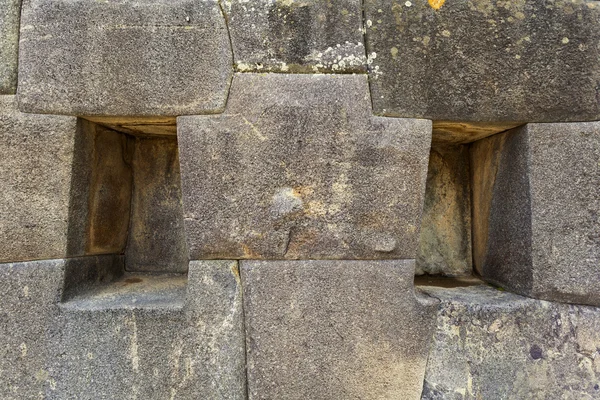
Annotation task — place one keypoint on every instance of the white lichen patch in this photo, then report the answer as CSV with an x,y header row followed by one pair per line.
x,y
341,57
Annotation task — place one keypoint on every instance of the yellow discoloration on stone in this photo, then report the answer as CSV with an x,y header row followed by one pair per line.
x,y
235,272
249,253
436,4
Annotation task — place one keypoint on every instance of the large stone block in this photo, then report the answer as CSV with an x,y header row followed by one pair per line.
x,y
536,202
159,343
36,161
10,11
490,344
123,58
485,61
297,36
30,292
335,330
133,336
297,167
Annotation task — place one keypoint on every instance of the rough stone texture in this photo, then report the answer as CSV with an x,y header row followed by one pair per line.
x,y
95,347
297,167
297,36
156,238
536,210
27,311
490,344
10,11
123,58
35,177
335,330
485,61
191,350
445,244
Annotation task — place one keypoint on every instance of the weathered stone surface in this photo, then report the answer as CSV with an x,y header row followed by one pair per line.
x,y
30,292
335,330
490,344
36,157
297,36
121,58
536,203
156,238
297,167
101,343
10,11
445,244
485,61
191,350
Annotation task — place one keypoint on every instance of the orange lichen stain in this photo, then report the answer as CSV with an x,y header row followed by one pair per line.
x,y
436,4
235,271
249,253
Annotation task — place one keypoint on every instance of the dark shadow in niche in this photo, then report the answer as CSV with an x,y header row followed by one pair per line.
x,y
126,239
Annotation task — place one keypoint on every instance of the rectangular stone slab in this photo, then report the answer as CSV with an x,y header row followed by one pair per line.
x,y
30,292
36,161
74,350
10,11
491,344
297,167
123,58
485,61
297,36
327,330
196,351
536,199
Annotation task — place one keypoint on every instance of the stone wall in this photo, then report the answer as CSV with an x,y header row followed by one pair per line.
x,y
300,199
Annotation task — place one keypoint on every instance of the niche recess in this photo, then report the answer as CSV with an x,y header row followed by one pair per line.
x,y
450,211
126,219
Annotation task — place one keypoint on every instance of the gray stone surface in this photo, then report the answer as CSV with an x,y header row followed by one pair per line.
x,y
536,213
490,344
102,344
156,240
120,58
445,244
10,11
188,350
485,61
297,167
335,330
297,36
28,310
36,157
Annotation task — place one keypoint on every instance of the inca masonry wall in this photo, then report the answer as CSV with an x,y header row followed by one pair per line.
x,y
300,199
